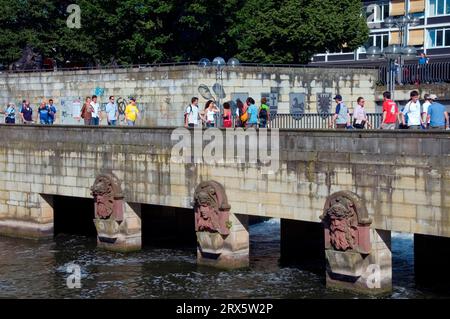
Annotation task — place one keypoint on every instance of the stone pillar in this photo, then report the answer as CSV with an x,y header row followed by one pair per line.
x,y
302,243
432,262
118,223
359,258
26,215
222,237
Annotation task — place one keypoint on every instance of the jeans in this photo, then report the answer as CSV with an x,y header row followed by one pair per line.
x,y
10,120
95,121
112,122
131,123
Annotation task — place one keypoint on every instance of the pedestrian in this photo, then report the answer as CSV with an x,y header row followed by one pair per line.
x,y
51,112
412,110
264,113
112,111
26,112
227,118
209,114
95,109
252,111
43,113
423,68
424,113
390,112
192,113
131,112
360,115
437,115
86,111
241,114
10,114
341,117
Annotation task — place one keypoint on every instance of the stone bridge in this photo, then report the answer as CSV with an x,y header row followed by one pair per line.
x,y
341,192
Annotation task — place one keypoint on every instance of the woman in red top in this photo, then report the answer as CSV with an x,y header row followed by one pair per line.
x,y
227,120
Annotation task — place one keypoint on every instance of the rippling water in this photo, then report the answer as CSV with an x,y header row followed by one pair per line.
x,y
30,269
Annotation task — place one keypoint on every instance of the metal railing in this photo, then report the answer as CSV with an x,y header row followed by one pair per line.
x,y
414,74
316,121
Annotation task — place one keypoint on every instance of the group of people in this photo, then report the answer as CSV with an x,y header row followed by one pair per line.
x,y
45,114
428,115
414,115
90,112
247,114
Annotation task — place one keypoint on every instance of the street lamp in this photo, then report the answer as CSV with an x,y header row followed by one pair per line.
x,y
395,51
219,65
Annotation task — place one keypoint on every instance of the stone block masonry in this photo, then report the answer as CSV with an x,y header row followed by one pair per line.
x,y
404,188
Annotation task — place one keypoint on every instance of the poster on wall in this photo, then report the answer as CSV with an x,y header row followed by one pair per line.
x,y
76,108
324,104
297,105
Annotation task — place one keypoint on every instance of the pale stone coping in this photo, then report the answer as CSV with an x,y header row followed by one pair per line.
x,y
331,132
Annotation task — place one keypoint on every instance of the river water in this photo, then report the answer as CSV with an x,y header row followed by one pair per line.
x,y
30,269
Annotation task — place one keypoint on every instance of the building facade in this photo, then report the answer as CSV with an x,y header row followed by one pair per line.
x,y
431,35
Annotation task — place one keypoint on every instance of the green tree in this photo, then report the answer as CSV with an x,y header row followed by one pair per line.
x,y
292,31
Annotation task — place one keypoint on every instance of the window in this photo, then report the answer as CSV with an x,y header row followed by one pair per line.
x,y
439,7
380,40
439,38
377,12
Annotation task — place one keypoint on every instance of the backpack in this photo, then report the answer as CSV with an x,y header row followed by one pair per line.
x,y
186,114
243,116
263,114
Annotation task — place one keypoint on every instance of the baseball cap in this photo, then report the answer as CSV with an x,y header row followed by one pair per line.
x,y
133,99
433,97
338,97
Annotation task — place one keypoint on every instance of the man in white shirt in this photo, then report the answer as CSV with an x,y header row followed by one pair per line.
x,y
95,111
191,114
425,105
412,110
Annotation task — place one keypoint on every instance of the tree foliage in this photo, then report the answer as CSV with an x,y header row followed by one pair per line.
x,y
148,31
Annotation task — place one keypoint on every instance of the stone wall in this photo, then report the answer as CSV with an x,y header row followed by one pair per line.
x,y
404,177
163,92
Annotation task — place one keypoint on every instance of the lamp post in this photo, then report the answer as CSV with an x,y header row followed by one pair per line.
x,y
219,65
395,51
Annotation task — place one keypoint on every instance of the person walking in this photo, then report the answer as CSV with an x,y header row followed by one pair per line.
x,y
112,111
227,117
424,113
252,113
26,113
341,118
437,115
51,112
209,114
86,111
412,110
360,115
191,113
43,113
10,114
95,111
264,113
390,112
131,112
